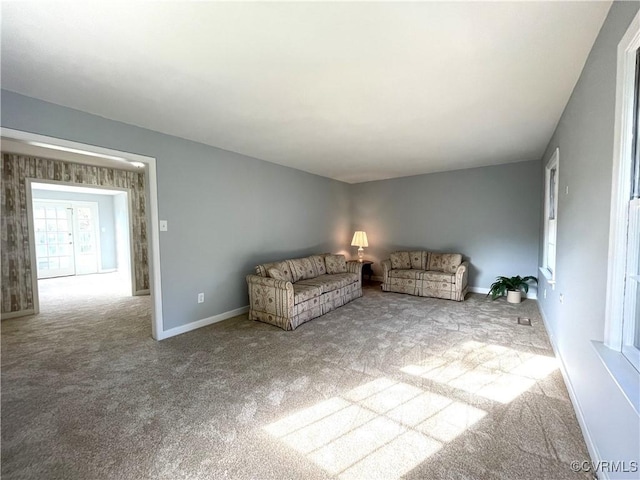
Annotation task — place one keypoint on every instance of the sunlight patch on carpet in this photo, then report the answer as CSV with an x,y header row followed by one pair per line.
x,y
381,429
490,371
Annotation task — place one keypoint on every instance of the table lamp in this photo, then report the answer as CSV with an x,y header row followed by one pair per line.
x,y
360,240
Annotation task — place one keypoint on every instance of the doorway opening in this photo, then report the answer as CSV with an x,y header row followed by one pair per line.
x,y
34,150
81,230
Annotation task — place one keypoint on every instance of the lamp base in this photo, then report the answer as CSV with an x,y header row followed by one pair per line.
x,y
360,254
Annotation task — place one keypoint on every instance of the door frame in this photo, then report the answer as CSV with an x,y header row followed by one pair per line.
x,y
151,181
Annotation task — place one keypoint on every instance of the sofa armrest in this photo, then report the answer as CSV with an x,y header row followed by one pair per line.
x,y
271,296
269,282
462,275
386,268
354,266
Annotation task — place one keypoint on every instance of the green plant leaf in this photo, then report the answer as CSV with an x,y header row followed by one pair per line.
x,y
504,284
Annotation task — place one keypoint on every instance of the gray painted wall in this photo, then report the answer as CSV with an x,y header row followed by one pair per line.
x,y
105,217
488,214
585,138
226,212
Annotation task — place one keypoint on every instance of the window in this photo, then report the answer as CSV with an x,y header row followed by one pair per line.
x,y
550,217
631,307
622,331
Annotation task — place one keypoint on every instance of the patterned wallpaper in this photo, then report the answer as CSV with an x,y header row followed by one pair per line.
x,y
16,286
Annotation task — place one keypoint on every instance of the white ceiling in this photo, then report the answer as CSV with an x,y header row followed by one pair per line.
x,y
351,91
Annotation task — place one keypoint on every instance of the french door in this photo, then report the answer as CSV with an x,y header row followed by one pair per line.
x,y
53,224
85,231
67,240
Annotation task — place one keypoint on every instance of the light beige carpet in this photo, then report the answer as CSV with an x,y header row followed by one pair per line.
x,y
388,386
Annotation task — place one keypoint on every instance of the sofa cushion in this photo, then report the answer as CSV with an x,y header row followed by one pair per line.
x,y
318,261
418,260
406,273
442,277
302,293
302,268
278,274
335,264
328,283
444,262
400,260
263,270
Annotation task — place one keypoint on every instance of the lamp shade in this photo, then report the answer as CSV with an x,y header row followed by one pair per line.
x,y
359,239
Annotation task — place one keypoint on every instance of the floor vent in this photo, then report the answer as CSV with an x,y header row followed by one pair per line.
x,y
524,321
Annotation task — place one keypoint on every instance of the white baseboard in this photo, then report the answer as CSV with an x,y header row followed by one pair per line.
x,y
591,447
139,293
172,332
478,290
19,313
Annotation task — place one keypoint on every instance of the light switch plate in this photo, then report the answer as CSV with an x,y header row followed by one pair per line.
x,y
163,226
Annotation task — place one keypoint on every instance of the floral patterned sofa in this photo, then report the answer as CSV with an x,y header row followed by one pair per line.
x,y
291,292
427,274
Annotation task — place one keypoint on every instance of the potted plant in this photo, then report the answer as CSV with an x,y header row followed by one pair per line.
x,y
512,286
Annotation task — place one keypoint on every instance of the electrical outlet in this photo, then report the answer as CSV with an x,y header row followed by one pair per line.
x,y
544,293
201,298
561,298
566,190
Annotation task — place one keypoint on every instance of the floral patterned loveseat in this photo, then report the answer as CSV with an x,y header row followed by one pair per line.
x,y
427,274
291,292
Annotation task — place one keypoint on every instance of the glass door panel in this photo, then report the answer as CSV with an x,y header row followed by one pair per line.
x,y
53,224
86,235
